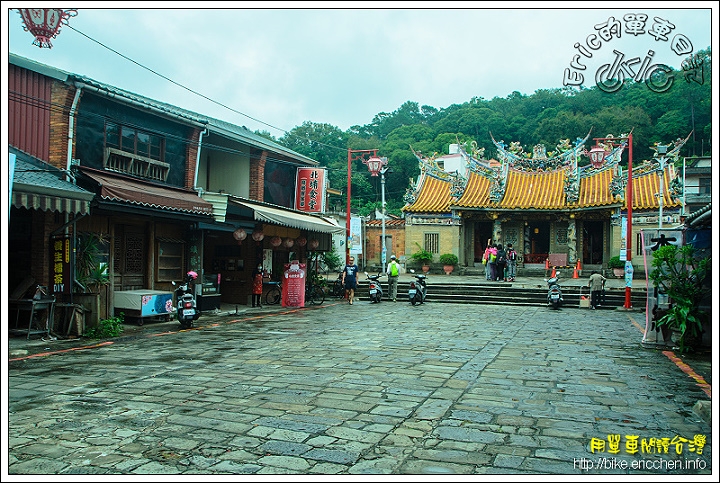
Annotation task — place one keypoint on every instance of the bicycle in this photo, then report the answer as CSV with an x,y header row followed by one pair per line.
x,y
338,289
274,293
314,294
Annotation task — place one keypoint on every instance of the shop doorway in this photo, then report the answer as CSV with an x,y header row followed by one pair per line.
x,y
539,242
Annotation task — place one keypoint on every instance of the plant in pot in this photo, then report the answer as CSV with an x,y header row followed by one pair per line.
x,y
423,257
449,260
617,266
682,276
91,272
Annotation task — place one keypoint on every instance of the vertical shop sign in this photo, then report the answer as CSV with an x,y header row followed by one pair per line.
x,y
355,241
310,190
293,287
60,256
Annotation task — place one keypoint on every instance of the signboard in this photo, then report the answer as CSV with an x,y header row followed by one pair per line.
x,y
310,190
60,259
293,285
355,241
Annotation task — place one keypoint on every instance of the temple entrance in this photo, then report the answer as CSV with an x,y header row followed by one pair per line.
x,y
593,243
539,242
483,231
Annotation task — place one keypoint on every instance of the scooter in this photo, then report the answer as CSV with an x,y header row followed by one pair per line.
x,y
418,289
187,311
554,297
375,287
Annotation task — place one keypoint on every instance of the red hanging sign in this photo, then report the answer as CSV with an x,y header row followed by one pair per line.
x,y
310,190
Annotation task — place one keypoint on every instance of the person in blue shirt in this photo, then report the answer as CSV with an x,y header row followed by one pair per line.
x,y
349,279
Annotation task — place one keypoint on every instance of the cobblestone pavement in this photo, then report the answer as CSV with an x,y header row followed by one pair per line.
x,y
389,389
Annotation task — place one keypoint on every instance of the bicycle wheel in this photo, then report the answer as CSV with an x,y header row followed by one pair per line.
x,y
272,297
315,295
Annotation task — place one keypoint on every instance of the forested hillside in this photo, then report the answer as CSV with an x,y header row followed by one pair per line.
x,y
545,117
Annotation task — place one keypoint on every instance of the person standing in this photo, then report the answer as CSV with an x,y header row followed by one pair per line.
x,y
492,258
511,256
349,279
393,271
500,263
486,261
257,285
596,284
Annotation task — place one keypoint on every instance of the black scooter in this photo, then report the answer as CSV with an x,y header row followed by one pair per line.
x,y
187,311
418,289
375,290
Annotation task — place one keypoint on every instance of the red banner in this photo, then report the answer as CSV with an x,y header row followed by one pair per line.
x,y
310,190
293,286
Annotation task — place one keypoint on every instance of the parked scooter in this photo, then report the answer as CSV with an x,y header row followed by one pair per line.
x,y
554,297
418,288
375,287
187,311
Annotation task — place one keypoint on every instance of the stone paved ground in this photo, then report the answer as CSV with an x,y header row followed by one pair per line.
x,y
388,389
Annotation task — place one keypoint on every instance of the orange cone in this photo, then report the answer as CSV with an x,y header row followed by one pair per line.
x,y
547,263
553,274
575,273
579,265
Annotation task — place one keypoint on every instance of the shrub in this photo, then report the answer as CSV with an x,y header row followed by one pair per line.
x,y
106,328
448,259
615,262
422,256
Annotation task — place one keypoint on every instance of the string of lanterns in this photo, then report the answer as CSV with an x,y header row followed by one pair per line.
x,y
241,234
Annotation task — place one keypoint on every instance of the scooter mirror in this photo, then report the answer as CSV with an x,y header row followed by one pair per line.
x,y
412,271
367,274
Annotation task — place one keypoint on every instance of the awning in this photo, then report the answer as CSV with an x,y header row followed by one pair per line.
x,y
287,217
118,188
37,185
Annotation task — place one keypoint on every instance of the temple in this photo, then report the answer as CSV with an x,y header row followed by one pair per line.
x,y
554,207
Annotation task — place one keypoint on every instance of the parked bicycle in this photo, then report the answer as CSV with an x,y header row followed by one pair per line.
x,y
274,293
314,294
338,289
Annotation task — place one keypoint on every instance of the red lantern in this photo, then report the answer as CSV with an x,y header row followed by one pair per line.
x,y
45,23
313,244
597,156
275,241
258,236
240,234
301,241
289,242
375,164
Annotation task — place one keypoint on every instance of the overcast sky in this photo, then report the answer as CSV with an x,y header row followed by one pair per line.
x,y
280,67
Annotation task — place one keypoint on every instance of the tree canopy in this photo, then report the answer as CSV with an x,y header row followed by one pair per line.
x,y
544,117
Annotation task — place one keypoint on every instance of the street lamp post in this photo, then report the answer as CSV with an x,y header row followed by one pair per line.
x,y
378,165
353,154
628,231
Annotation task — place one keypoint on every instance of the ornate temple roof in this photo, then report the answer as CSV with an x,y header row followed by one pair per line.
x,y
540,182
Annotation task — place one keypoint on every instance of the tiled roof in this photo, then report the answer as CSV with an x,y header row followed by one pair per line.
x,y
538,191
389,222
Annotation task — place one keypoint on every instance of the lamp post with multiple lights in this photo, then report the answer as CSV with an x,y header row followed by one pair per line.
x,y
379,165
353,154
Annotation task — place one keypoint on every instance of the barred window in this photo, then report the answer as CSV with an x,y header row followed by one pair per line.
x,y
432,242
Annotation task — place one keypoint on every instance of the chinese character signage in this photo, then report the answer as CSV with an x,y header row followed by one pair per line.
x,y
310,190
60,264
293,285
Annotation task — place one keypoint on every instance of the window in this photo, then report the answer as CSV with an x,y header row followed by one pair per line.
x,y
705,186
134,152
432,242
171,260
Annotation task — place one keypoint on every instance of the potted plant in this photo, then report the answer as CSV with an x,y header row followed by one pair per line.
x,y
449,260
681,275
423,257
617,266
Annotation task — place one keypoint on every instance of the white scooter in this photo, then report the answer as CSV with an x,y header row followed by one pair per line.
x,y
375,290
418,289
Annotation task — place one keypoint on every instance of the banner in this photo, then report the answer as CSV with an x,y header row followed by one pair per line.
x,y
293,286
60,264
355,242
310,190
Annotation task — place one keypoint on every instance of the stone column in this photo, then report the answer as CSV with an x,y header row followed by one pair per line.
x,y
572,240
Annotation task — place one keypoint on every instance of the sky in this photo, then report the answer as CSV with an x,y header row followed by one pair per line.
x,y
272,67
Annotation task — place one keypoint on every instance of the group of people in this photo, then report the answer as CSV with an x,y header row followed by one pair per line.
x,y
349,278
500,262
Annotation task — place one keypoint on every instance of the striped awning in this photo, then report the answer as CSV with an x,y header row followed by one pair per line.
x,y
34,201
277,215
